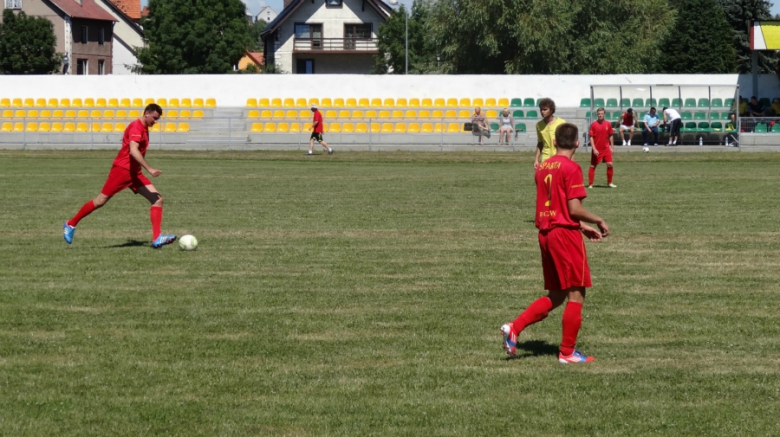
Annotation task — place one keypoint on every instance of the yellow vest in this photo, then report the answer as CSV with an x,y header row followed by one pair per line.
x,y
546,134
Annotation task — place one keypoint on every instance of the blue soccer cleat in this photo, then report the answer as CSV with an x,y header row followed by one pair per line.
x,y
575,357
162,240
67,232
510,340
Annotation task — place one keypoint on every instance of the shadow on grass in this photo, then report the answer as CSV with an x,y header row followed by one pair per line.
x,y
534,348
129,243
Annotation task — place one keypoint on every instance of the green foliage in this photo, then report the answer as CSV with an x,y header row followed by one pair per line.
x,y
255,30
193,36
27,45
739,13
701,42
392,40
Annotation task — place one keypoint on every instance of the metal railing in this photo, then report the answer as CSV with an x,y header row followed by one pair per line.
x,y
335,44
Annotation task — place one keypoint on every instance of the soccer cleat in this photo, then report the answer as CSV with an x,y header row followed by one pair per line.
x,y
510,340
575,357
590,187
612,186
308,153
162,240
67,232
330,151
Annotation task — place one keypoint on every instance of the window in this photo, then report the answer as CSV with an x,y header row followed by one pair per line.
x,y
101,67
333,3
102,36
84,34
13,4
311,32
81,66
354,32
305,66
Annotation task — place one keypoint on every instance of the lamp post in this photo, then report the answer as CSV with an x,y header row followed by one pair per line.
x,y
406,37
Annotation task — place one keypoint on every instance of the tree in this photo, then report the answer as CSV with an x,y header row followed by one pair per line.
x,y
255,41
27,45
391,42
191,37
701,42
739,13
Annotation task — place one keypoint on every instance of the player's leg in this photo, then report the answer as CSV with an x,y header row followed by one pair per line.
x,y
645,134
311,144
610,172
118,179
630,135
622,135
654,129
572,321
154,197
594,162
325,145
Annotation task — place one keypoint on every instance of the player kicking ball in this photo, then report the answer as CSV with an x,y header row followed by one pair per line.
x,y
126,173
559,218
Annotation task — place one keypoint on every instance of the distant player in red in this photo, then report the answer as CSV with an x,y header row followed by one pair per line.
x,y
559,217
316,131
126,173
602,143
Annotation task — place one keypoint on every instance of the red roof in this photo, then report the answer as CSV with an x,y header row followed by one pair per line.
x,y
256,57
131,8
87,9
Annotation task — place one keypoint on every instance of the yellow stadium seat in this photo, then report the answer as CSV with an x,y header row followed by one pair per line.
x,y
276,102
363,102
19,126
7,127
283,128
17,102
183,128
343,113
291,113
295,127
29,103
331,113
439,103
120,127
503,102
437,113
478,102
163,102
8,113
338,103
108,113
89,102
251,103
197,102
426,128
95,113
279,113
452,102
5,102
351,103
361,128
263,102
424,113
44,126
134,113
376,128
31,127
326,103
314,101
155,128
57,113
387,128
450,113
397,113
69,127
288,103
304,113
100,102
334,127
300,102
186,102
414,128
56,126
437,128
173,103
107,127
401,103
400,128
45,113
254,113
384,113
149,101
137,103
185,113
426,103
357,114
114,103
257,127
371,113
348,128
40,103
464,113
95,127
172,113
83,113
389,103
82,127
307,127
491,113
20,113
64,103
170,127
121,114
414,103
32,113
70,113
269,127
453,128
410,113
376,103
266,113
490,102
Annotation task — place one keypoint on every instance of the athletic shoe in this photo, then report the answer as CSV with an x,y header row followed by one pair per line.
x,y
162,240
510,340
67,232
590,187
612,186
646,144
575,358
308,154
330,151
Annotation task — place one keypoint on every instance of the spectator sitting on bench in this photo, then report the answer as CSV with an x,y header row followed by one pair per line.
x,y
755,109
479,125
506,128
775,109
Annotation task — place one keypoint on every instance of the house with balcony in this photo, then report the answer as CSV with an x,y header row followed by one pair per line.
x,y
325,36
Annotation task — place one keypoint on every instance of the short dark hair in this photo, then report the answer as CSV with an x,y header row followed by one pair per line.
x,y
547,103
600,110
566,136
665,108
153,107
753,97
652,108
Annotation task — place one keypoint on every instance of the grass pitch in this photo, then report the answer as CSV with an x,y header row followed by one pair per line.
x,y
361,294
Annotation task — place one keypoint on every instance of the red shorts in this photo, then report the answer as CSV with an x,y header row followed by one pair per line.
x,y
605,156
564,260
120,178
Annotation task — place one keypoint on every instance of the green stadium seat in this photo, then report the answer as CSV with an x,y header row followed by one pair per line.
x,y
587,114
538,100
531,114
612,103
776,128
598,103
716,126
638,103
585,103
614,125
690,126
728,102
686,116
516,103
520,127
725,116
651,103
677,103
700,116
703,126
493,127
704,103
690,103
518,114
716,103
528,103
663,102
625,103
642,118
760,128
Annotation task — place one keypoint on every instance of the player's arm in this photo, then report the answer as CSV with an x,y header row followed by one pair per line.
x,y
539,147
139,158
578,212
314,124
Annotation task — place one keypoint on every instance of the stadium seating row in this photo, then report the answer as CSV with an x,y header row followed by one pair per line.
x,y
74,126
94,113
374,127
390,103
674,102
614,116
106,103
383,113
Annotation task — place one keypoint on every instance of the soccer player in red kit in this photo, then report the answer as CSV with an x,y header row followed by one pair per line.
x,y
601,143
559,218
126,173
316,131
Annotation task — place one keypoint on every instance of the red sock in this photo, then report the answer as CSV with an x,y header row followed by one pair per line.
x,y
591,175
535,312
572,320
83,212
610,171
155,213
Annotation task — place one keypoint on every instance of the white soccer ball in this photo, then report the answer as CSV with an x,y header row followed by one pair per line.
x,y
645,149
188,242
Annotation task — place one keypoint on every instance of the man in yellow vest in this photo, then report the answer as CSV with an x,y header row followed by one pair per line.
x,y
545,131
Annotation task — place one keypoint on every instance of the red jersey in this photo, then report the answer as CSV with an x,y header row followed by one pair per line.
x,y
317,118
558,180
137,132
628,119
601,133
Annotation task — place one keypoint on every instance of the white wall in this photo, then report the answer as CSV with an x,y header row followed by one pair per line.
x,y
122,59
233,90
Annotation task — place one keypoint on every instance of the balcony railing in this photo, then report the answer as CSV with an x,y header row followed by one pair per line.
x,y
334,44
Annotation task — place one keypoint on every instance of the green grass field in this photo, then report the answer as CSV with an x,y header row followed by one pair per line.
x,y
361,294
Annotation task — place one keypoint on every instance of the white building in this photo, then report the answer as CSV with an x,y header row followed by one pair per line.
x,y
127,35
266,14
325,36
